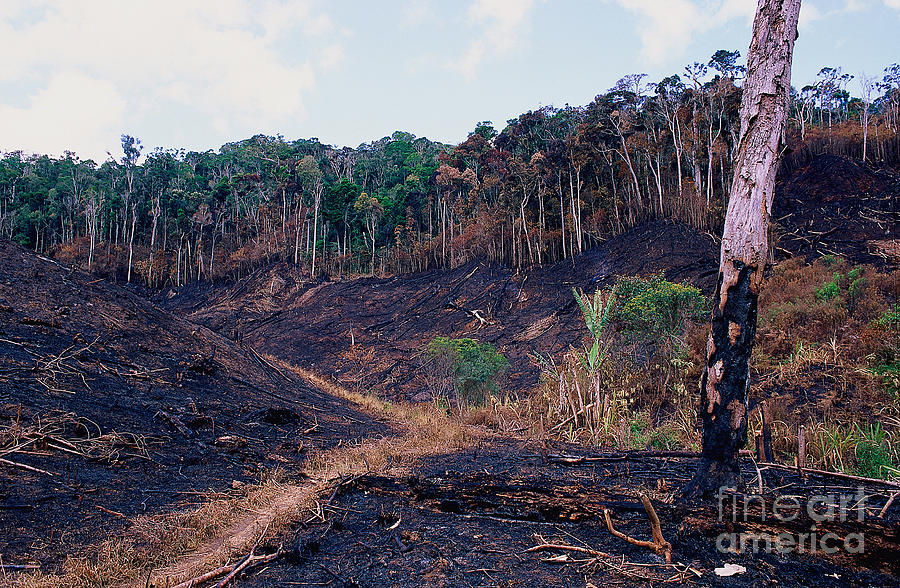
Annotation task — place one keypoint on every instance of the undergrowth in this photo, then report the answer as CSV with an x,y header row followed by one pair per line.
x,y
627,386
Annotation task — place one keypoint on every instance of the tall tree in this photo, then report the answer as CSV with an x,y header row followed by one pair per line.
x,y
867,85
725,383
131,149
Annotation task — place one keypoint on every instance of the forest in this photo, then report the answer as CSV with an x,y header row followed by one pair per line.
x,y
550,184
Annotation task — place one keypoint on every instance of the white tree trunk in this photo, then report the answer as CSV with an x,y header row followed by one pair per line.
x,y
725,383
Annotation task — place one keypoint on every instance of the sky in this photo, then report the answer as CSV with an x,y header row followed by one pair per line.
x,y
195,74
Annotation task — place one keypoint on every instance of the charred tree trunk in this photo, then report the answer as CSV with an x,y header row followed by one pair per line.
x,y
725,383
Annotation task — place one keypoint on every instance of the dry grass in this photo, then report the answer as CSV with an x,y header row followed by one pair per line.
x,y
173,547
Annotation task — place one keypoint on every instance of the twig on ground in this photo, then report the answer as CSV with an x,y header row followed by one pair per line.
x,y
23,466
562,547
888,504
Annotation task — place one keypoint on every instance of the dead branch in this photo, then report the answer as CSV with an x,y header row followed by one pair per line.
x,y
237,569
571,418
23,466
109,511
561,547
834,474
888,504
232,570
658,545
631,455
270,364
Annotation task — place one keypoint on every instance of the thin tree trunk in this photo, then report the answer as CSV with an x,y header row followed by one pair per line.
x,y
153,241
131,240
312,271
725,382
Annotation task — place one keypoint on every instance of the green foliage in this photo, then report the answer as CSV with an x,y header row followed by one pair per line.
x,y
655,309
851,286
830,290
476,367
890,318
873,455
890,377
596,316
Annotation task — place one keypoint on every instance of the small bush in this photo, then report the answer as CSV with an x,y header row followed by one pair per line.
x,y
655,309
829,291
890,318
873,456
475,367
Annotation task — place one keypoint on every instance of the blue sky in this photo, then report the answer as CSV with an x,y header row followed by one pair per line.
x,y
198,73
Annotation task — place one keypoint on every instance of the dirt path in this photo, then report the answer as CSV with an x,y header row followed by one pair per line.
x,y
280,509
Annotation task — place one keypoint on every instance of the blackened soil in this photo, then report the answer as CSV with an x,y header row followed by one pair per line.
x,y
523,312
835,206
130,410
467,519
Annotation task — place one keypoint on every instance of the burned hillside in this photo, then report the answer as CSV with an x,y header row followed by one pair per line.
x,y
314,324
111,408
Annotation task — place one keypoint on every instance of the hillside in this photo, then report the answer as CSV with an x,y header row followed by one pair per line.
x,y
313,324
833,205
111,409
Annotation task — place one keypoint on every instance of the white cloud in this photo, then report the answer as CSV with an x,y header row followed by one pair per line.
x,y
666,27
72,105
895,4
218,57
416,12
809,14
500,24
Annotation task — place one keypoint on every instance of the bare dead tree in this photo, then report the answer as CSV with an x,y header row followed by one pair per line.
x,y
724,386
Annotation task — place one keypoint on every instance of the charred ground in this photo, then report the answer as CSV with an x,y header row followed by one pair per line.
x,y
129,410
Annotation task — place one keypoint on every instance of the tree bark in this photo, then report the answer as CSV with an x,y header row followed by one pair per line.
x,y
725,383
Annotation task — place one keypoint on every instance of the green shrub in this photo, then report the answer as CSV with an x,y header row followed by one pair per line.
x,y
655,310
475,367
890,377
830,290
854,282
890,319
873,456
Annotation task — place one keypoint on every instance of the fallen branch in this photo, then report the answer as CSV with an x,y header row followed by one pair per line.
x,y
270,364
658,545
571,418
561,547
232,570
833,474
109,511
576,459
16,464
888,504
